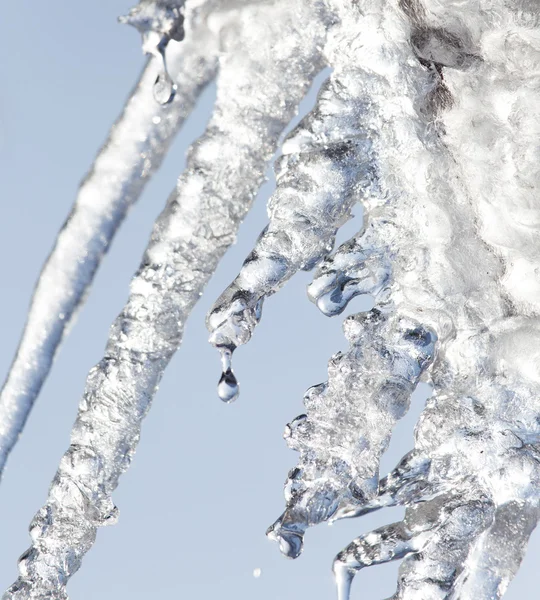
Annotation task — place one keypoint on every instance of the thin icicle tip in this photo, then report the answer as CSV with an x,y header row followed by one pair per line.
x,y
316,191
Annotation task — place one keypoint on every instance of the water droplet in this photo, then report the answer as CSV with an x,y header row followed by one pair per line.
x,y
228,388
290,542
164,88
332,303
257,572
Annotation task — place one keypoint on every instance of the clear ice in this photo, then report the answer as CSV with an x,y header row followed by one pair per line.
x,y
225,167
351,416
430,119
136,145
447,242
159,22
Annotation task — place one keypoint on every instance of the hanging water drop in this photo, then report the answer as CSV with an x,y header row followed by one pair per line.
x,y
164,89
164,86
158,24
228,388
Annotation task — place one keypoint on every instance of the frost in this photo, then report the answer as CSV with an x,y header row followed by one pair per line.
x,y
402,107
430,119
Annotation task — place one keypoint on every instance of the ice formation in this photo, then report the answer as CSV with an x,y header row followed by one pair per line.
x,y
350,417
439,231
430,119
134,149
224,170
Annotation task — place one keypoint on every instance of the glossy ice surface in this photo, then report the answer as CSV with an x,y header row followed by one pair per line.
x,y
430,119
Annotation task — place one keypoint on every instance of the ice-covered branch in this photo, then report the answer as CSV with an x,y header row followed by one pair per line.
x,y
348,422
225,168
327,163
135,148
471,482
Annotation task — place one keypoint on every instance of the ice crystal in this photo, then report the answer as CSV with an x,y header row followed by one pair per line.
x,y
430,119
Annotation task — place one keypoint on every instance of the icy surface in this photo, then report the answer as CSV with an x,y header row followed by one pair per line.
x,y
224,170
430,118
446,231
350,417
325,162
135,148
159,22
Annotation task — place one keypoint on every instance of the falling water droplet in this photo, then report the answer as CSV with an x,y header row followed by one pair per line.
x,y
228,388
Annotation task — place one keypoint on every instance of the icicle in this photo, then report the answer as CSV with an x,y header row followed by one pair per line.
x,y
357,268
326,161
348,423
365,111
134,150
255,101
428,254
457,532
472,479
497,555
431,118
438,534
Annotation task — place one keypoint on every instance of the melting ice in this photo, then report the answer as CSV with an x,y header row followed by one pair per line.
x,y
430,118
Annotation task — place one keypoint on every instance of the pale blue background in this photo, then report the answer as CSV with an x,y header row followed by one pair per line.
x,y
207,478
